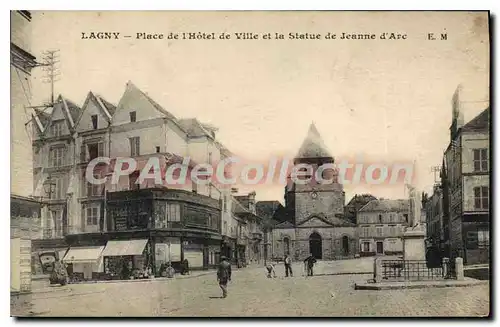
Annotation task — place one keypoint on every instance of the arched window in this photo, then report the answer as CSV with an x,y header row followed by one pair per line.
x,y
345,245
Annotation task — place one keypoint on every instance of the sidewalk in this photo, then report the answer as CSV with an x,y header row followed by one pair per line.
x,y
418,284
43,286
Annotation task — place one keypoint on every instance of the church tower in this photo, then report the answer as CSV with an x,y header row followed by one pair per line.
x,y
315,199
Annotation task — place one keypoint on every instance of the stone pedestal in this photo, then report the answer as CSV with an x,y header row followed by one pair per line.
x,y
414,244
459,268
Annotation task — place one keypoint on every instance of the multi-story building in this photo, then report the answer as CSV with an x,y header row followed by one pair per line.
x,y
357,202
466,181
24,209
381,224
254,227
433,208
54,164
268,211
153,223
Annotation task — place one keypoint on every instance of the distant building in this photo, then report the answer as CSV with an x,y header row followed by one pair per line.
x,y
357,202
466,187
269,211
434,213
313,222
251,235
381,224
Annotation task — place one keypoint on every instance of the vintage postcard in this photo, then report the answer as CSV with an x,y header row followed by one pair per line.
x,y
250,164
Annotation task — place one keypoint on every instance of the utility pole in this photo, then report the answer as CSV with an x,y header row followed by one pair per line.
x,y
436,170
50,59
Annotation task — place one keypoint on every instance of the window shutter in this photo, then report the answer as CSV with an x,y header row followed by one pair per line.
x,y
484,154
83,153
89,215
485,196
137,146
100,220
100,149
83,212
89,189
484,165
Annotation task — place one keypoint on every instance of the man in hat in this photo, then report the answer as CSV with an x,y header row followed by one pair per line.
x,y
309,262
224,275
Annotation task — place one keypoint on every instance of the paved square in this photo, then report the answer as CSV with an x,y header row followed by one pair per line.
x,y
251,294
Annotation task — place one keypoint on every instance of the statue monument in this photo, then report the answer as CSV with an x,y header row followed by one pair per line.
x,y
414,235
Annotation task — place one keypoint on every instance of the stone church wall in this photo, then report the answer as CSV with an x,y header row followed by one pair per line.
x,y
326,203
332,242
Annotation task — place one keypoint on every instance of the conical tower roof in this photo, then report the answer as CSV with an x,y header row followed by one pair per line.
x,y
313,145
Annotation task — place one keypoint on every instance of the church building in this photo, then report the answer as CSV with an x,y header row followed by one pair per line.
x,y
313,220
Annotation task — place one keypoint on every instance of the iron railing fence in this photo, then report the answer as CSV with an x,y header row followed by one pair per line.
x,y
415,270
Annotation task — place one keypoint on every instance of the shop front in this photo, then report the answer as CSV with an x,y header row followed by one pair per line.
x,y
84,263
127,259
193,253
167,251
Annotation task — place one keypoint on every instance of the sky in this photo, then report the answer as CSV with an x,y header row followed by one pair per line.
x,y
382,100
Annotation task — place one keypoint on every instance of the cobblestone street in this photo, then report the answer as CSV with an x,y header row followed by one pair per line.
x,y
251,294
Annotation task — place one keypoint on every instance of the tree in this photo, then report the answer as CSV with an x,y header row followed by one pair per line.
x,y
356,203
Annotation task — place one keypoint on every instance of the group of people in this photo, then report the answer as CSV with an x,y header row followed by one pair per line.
x,y
224,270
308,262
166,269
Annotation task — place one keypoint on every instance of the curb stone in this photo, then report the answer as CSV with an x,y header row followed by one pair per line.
x,y
415,285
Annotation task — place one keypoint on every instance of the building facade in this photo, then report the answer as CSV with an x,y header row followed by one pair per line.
x,y
357,202
434,213
25,210
466,187
314,221
381,225
161,223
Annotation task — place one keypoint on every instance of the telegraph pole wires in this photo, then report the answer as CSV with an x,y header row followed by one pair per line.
x,y
50,60
49,63
436,170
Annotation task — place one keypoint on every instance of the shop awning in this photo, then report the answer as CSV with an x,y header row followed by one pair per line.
x,y
83,254
129,247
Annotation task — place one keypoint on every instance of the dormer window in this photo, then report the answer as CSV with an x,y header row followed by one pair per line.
x,y
132,116
57,128
94,121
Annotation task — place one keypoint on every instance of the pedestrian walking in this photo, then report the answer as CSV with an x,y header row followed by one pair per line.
x,y
288,266
271,272
185,267
224,275
309,262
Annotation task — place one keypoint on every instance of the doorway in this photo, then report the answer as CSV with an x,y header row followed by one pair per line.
x,y
380,247
286,243
315,245
345,245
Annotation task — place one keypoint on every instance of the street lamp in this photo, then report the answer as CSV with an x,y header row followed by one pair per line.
x,y
49,187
